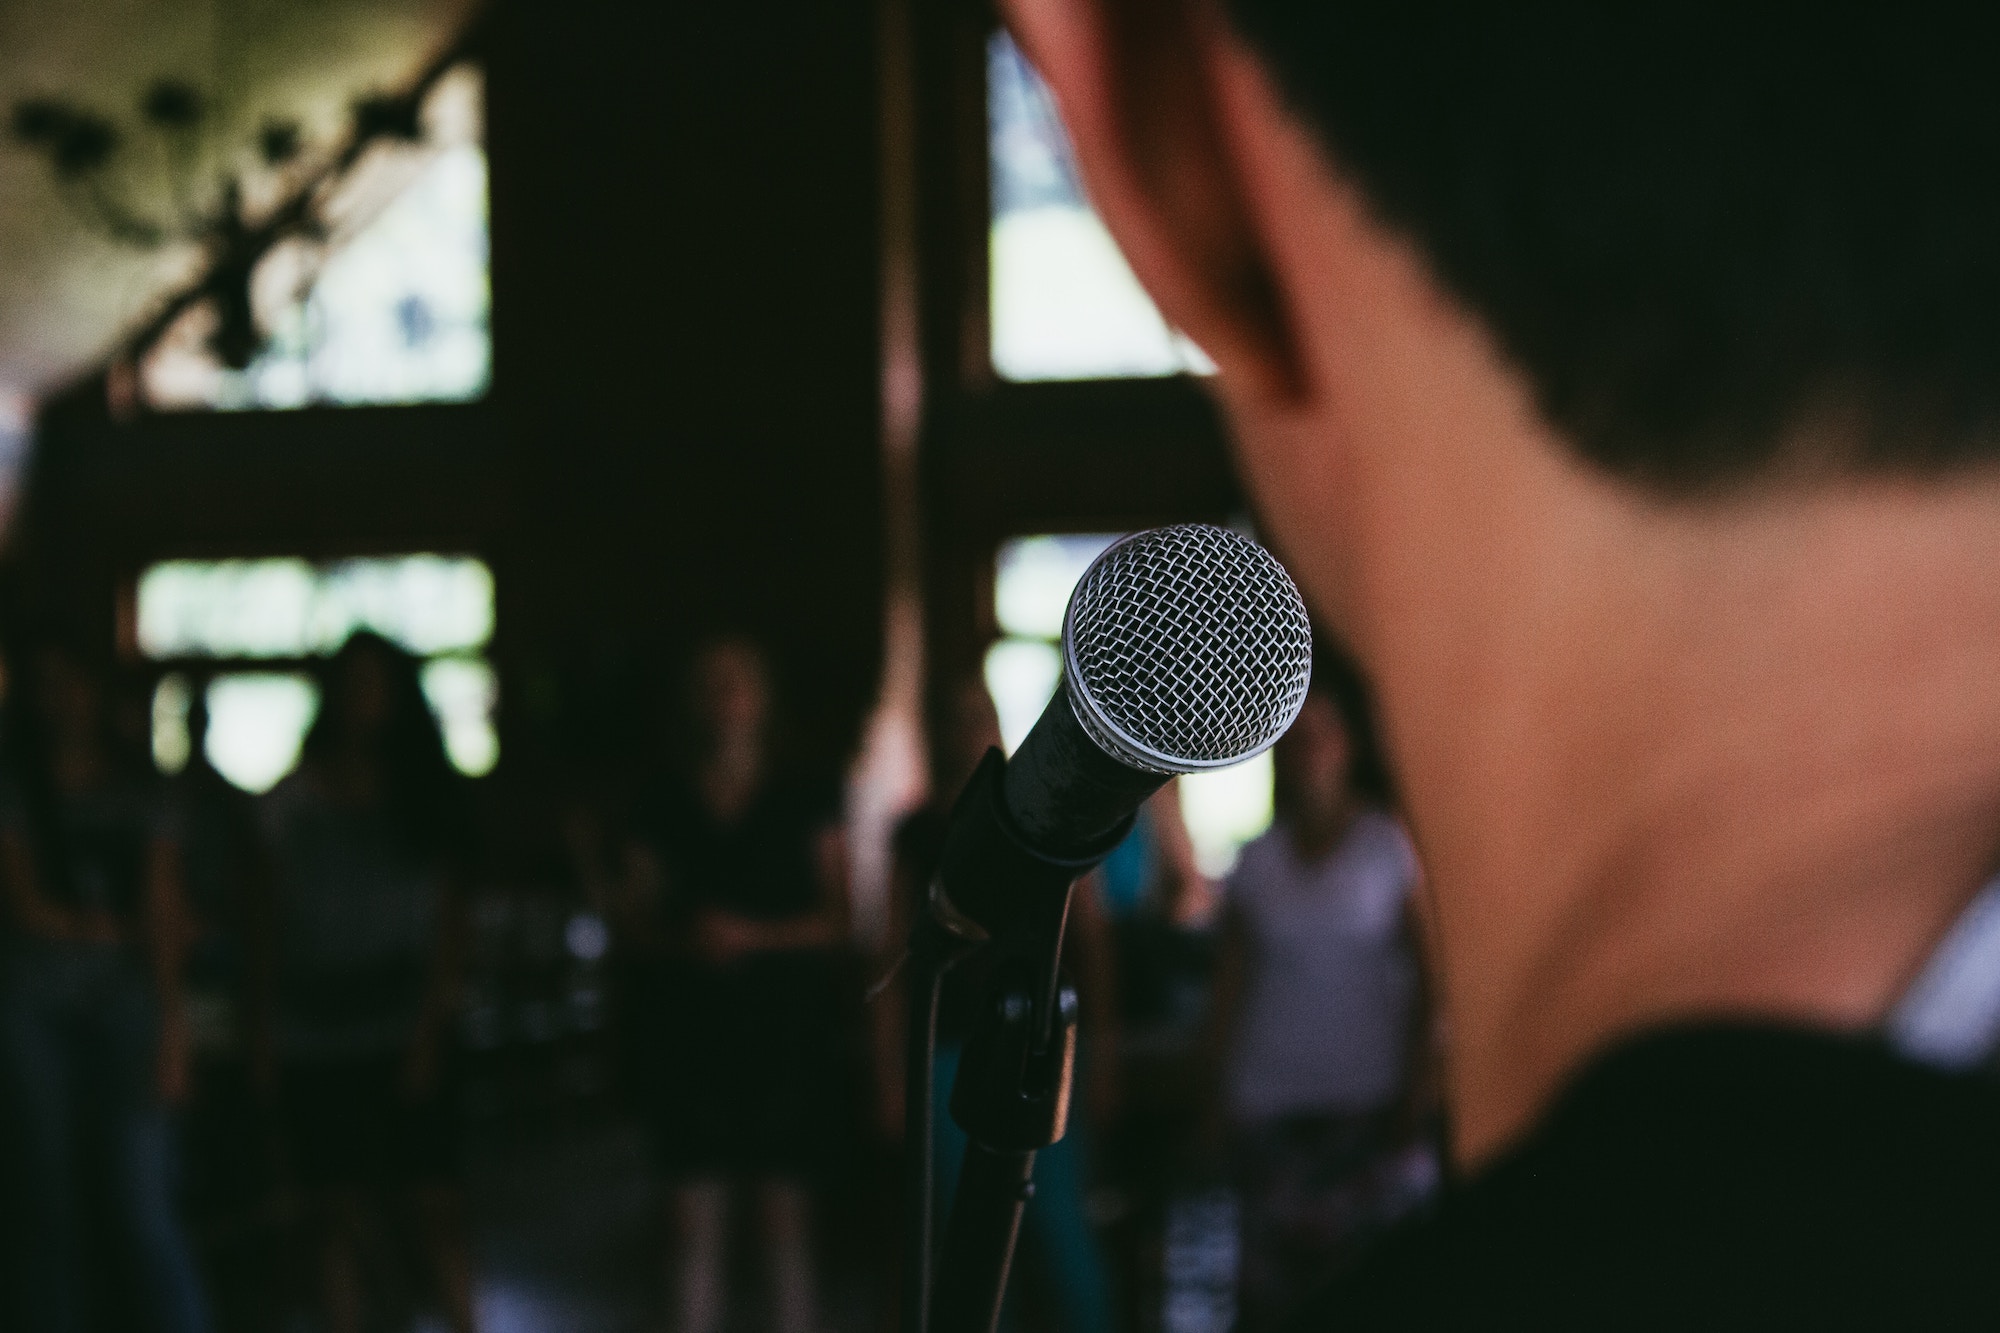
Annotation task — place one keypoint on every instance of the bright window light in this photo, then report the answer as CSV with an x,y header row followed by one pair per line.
x,y
392,307
462,692
400,314
1226,809
427,603
1032,580
1064,304
256,723
1034,576
172,701
435,607
225,608
289,608
1021,674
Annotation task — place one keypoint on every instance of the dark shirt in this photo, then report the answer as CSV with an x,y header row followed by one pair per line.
x,y
357,913
219,854
736,1063
1715,1177
761,865
93,849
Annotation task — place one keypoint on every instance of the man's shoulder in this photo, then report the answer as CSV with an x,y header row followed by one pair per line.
x,y
1714,1176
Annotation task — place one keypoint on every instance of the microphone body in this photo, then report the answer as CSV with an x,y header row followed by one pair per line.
x,y
1062,792
1185,649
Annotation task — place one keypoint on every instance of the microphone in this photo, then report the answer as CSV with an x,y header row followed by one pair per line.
x,y
1185,649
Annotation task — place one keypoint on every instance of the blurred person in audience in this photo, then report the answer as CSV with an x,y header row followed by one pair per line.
x,y
359,951
93,1025
1319,1021
1057,1232
731,927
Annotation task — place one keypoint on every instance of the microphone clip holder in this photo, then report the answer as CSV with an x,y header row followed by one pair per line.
x,y
1012,1100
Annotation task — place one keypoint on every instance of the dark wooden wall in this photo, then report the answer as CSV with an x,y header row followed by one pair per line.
x,y
686,305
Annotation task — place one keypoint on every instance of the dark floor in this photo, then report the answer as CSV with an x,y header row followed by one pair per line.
x,y
564,1234
566,1238
564,1214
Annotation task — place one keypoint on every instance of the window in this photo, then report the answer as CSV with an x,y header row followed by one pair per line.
x,y
391,307
1033,579
254,620
257,721
1064,305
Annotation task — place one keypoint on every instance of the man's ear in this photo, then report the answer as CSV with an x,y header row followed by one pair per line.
x,y
1136,81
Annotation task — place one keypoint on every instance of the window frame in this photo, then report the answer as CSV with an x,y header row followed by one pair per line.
x,y
998,458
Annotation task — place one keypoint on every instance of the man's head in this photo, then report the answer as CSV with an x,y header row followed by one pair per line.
x,y
1623,386
1712,247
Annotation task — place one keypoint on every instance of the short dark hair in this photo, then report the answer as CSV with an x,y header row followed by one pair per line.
x,y
1694,226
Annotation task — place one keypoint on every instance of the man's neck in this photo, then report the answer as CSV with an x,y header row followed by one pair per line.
x,y
1747,768
1661,759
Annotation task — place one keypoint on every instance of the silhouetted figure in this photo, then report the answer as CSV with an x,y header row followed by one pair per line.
x,y
1319,1020
738,906
358,963
93,1031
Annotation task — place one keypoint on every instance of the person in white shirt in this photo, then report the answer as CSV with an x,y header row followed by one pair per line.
x,y
1319,1021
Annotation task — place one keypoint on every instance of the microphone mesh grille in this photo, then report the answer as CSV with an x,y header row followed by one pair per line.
x,y
1186,648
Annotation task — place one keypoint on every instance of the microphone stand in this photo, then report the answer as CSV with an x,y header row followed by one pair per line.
x,y
1012,1100
1012,1094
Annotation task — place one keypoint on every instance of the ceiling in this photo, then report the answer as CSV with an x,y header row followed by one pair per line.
x,y
67,292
